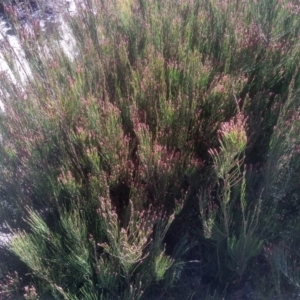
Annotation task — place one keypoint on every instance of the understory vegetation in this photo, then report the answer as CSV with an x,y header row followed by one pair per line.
x,y
161,161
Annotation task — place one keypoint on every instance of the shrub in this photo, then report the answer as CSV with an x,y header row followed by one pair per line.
x,y
162,150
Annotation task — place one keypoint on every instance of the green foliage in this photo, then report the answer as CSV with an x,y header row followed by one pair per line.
x,y
162,159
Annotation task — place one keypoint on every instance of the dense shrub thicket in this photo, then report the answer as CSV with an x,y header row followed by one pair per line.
x,y
162,161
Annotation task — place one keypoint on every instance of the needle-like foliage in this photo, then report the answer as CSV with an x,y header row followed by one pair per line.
x,y
155,154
